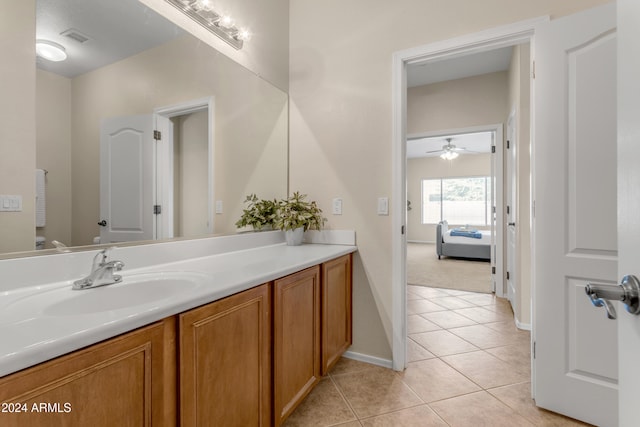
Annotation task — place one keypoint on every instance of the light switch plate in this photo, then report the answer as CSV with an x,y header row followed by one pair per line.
x,y
10,203
383,206
219,206
337,207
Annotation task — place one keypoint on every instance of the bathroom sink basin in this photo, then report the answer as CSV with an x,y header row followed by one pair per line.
x,y
134,291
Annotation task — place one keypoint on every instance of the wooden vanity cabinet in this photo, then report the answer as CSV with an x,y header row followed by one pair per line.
x,y
336,310
296,345
225,361
129,380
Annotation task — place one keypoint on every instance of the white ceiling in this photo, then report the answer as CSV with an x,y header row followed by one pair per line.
x,y
479,142
116,29
458,68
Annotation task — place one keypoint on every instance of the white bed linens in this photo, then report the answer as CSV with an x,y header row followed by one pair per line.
x,y
485,240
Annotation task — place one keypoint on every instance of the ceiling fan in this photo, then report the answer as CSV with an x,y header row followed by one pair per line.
x,y
450,151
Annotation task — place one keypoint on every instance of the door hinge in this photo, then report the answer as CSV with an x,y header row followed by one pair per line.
x,y
507,275
508,144
534,349
157,209
157,135
402,230
533,71
493,270
493,149
508,210
494,209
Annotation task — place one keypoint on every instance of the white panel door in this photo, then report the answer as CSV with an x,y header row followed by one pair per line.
x,y
575,225
628,201
126,179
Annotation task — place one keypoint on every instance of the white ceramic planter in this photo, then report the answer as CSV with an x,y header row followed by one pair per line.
x,y
294,237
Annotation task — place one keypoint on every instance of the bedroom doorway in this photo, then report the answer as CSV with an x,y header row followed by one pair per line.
x,y
454,186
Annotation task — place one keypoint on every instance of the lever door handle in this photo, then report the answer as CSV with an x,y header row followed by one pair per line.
x,y
102,223
512,223
628,292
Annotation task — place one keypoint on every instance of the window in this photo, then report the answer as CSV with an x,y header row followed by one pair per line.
x,y
457,200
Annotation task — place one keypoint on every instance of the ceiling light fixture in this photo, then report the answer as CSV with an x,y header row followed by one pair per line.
x,y
219,24
449,155
50,51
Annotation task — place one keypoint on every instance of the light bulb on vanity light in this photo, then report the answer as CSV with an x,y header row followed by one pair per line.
x,y
51,51
243,34
225,21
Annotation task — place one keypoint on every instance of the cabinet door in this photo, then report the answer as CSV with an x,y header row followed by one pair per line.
x,y
225,361
296,339
125,381
336,310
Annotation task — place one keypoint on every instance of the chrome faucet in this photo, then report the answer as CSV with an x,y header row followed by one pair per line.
x,y
101,272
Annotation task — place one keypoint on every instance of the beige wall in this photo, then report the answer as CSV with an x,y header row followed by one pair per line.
x,y
53,153
474,101
249,120
266,54
341,112
435,167
191,174
18,122
519,102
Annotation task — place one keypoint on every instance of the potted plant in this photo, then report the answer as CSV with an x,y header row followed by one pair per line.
x,y
259,214
296,215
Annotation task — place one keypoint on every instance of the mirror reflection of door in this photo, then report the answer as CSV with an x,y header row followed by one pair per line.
x,y
126,179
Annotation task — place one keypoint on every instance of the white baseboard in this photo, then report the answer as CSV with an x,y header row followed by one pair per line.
x,y
523,326
421,241
385,363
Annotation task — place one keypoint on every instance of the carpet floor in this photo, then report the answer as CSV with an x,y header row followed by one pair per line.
x,y
425,269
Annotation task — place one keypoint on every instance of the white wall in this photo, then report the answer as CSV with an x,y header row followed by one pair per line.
x,y
340,119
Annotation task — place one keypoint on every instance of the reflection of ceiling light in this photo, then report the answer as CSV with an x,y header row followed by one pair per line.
x,y
219,24
449,155
50,51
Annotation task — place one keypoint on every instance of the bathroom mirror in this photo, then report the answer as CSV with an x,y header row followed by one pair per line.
x,y
229,127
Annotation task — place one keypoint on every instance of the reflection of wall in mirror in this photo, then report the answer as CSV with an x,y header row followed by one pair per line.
x,y
250,125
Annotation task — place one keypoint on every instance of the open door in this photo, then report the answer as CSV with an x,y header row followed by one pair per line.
x,y
126,179
575,223
511,183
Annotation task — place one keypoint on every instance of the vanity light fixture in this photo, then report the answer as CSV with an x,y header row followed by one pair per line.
x,y
51,51
219,24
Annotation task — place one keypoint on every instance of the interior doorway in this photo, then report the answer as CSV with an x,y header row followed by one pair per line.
x,y
493,39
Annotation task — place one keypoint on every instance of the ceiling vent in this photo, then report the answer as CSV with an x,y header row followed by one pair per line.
x,y
75,35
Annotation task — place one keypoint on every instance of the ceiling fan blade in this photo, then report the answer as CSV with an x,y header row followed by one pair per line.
x,y
433,151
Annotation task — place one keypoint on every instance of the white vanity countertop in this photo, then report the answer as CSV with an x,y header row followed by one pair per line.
x,y
31,333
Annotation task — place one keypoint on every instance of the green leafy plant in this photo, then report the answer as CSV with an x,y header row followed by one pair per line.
x,y
296,212
258,213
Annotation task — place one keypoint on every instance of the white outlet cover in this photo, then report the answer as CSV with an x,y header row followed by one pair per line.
x,y
337,207
383,206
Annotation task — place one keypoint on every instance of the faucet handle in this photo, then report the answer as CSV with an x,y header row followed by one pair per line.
x,y
101,258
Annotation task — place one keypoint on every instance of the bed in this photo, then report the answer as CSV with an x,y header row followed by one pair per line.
x,y
461,246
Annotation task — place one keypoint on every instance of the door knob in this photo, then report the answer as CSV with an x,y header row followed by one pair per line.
x,y
628,291
102,223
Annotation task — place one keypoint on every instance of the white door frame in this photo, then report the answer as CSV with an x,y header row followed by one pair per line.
x,y
165,159
496,199
494,38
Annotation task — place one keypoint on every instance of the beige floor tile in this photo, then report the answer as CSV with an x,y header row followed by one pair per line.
x,y
518,397
349,424
411,295
348,366
483,337
452,302
416,352
434,380
456,292
419,416
487,370
426,292
417,323
478,410
422,306
517,355
375,392
480,299
501,307
483,315
443,343
448,319
324,406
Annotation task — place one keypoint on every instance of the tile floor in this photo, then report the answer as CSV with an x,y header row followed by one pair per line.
x,y
468,366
